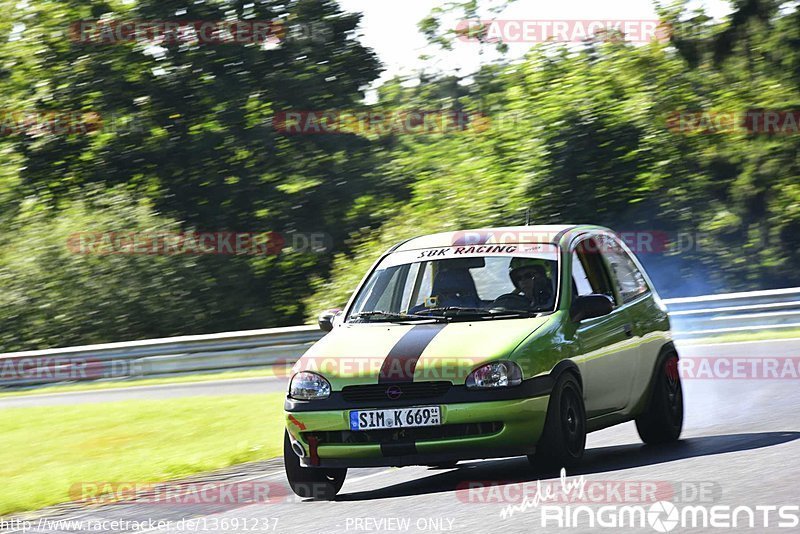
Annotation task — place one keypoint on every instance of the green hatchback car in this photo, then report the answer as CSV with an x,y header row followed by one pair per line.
x,y
483,344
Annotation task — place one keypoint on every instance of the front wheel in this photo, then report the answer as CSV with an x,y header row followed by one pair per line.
x,y
564,437
663,420
321,484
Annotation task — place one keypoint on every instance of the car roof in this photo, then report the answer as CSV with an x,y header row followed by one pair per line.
x,y
550,233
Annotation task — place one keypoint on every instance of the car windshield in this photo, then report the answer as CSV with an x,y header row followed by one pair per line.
x,y
487,281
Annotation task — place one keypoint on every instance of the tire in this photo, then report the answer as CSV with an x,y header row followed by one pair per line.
x,y
663,420
564,437
310,482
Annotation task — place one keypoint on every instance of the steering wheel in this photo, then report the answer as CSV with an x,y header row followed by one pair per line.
x,y
511,301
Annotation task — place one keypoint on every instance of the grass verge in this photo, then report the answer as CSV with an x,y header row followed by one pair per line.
x,y
44,451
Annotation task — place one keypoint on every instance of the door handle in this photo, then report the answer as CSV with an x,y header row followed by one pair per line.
x,y
628,329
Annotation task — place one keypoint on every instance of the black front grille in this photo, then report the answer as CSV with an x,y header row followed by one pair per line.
x,y
406,435
405,391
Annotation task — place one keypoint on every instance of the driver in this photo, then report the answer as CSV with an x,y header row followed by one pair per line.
x,y
530,279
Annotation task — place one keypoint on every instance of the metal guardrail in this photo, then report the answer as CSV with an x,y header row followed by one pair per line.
x,y
690,317
156,358
735,312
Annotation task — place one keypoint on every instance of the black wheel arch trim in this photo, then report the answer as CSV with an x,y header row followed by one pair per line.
x,y
567,366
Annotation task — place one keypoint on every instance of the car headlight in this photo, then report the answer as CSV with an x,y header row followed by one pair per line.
x,y
495,375
309,386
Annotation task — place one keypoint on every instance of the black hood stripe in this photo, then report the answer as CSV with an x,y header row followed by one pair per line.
x,y
399,365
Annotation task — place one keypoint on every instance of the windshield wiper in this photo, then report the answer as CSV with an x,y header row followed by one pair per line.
x,y
526,313
460,311
391,316
442,314
450,311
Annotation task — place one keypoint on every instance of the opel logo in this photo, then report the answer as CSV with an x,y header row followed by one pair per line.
x,y
394,392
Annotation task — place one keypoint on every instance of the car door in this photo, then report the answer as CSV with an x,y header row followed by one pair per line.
x,y
638,302
606,345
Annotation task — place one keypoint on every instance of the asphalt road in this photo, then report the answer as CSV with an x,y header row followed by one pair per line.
x,y
740,447
236,386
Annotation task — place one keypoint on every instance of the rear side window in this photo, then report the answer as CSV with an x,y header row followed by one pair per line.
x,y
627,278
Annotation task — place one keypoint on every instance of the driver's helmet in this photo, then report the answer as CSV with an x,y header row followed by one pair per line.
x,y
538,269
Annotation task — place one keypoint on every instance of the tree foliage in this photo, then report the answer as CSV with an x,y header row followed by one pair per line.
x,y
584,134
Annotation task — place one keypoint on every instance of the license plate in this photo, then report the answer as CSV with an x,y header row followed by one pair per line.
x,y
395,418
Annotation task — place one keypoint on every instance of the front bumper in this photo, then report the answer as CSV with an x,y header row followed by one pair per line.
x,y
470,430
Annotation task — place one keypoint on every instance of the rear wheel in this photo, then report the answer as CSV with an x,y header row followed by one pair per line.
x,y
663,420
316,483
564,437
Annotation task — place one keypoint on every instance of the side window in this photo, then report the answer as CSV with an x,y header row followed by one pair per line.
x,y
410,283
594,272
627,277
424,284
389,284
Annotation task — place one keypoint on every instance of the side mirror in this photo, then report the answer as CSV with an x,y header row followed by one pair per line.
x,y
325,319
590,306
